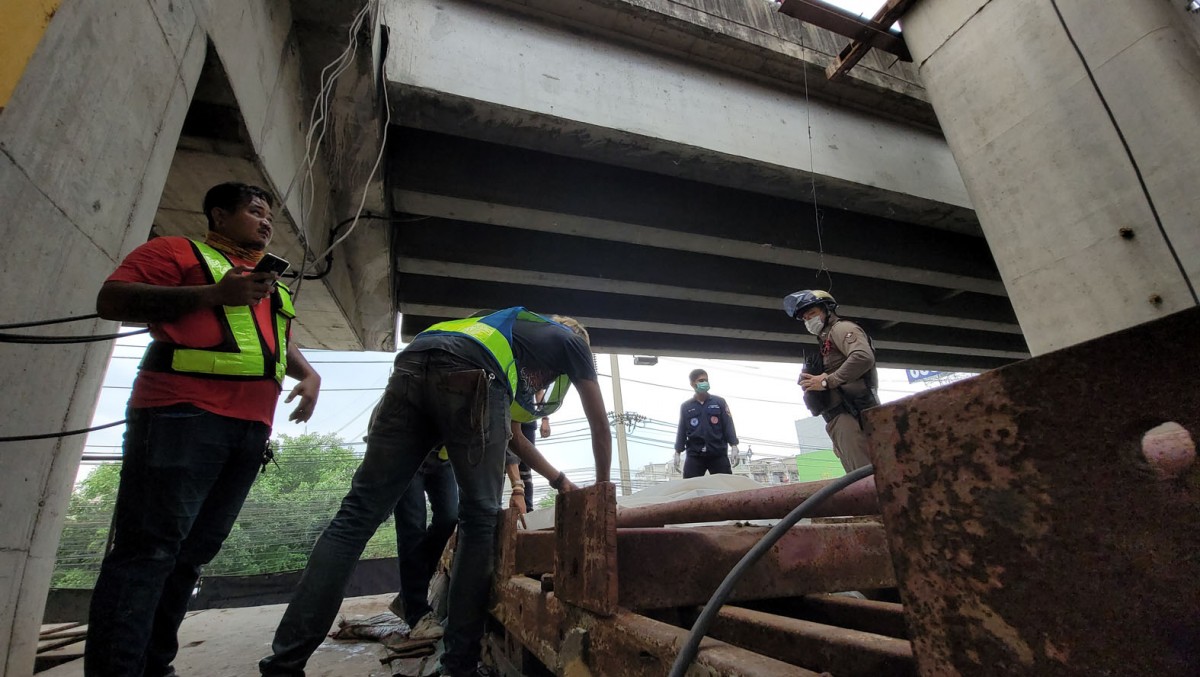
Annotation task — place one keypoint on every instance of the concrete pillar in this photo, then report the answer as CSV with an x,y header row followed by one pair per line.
x,y
85,144
1074,124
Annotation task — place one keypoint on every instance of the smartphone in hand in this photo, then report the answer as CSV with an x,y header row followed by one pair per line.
x,y
272,264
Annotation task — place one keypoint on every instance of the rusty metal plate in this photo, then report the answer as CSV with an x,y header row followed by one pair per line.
x,y
1031,533
670,567
767,503
585,554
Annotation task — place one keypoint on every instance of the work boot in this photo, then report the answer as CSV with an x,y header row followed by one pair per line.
x,y
480,670
427,628
397,606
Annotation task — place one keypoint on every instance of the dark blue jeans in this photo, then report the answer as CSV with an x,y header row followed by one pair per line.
x,y
433,397
529,430
418,546
184,476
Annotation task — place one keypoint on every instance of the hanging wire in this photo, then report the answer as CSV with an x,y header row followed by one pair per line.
x,y
812,172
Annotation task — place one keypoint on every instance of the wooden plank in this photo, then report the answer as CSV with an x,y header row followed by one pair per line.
x,y
50,628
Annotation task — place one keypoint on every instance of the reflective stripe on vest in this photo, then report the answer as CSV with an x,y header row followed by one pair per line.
x,y
248,357
494,333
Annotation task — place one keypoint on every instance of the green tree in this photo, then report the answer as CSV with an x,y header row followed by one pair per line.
x,y
288,507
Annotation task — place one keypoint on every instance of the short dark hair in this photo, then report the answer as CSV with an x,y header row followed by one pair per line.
x,y
230,196
696,373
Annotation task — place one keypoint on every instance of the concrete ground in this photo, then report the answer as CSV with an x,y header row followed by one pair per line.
x,y
229,643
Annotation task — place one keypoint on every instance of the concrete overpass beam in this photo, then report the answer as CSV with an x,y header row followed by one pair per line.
x,y
505,73
1074,125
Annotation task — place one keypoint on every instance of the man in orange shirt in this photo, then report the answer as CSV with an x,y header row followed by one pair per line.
x,y
198,421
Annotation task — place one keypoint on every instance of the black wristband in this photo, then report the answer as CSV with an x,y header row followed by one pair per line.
x,y
556,483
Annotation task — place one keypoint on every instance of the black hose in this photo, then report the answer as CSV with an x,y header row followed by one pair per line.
x,y
46,436
42,323
691,647
59,340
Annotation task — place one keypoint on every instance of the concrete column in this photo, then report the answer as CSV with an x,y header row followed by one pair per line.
x,y
85,144
1074,124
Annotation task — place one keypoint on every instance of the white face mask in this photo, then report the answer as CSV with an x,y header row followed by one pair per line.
x,y
814,324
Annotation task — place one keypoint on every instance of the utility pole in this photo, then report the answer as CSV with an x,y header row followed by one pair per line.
x,y
619,423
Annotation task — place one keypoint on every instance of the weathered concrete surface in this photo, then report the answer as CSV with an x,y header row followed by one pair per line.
x,y
1057,165
752,39
87,149
468,69
76,180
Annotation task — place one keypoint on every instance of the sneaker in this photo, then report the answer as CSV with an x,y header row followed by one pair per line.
x,y
427,628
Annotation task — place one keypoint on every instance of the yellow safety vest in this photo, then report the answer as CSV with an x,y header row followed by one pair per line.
x,y
244,355
490,332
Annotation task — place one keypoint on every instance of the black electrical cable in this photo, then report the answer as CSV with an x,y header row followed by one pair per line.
x,y
333,233
43,323
700,628
46,436
61,340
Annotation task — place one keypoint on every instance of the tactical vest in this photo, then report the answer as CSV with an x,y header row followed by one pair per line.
x,y
243,353
494,333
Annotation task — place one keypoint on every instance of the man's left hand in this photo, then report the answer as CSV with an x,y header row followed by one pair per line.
x,y
544,431
735,458
308,388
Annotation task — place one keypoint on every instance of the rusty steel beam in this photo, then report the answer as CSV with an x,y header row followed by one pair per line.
x,y
570,640
767,503
823,648
688,563
864,41
846,24
670,567
585,548
1032,531
880,618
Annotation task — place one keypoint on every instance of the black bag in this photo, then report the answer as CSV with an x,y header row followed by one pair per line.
x,y
817,401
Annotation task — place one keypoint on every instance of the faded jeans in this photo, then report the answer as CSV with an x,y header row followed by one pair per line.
x,y
432,397
418,546
185,474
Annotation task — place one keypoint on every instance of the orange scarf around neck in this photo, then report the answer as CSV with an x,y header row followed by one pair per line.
x,y
230,248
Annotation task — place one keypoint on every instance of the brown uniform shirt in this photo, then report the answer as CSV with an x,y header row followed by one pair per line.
x,y
847,352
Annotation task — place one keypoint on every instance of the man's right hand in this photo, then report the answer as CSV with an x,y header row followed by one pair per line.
x,y
242,287
676,464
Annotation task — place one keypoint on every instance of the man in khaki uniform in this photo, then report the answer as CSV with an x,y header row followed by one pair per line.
x,y
842,380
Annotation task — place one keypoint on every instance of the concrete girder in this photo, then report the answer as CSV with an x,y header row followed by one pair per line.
x,y
540,278
681,239
497,74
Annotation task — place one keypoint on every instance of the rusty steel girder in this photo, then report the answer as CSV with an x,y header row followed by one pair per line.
x,y
825,648
670,567
659,568
1033,533
572,641
755,504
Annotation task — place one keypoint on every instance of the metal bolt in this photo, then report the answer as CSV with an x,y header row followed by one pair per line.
x,y
1156,299
1126,233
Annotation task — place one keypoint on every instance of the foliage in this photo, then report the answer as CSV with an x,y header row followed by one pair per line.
x,y
286,510
547,501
